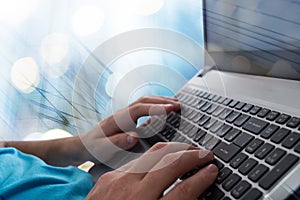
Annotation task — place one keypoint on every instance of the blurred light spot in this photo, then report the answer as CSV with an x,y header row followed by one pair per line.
x,y
55,134
49,135
54,48
112,82
87,20
16,11
145,7
283,68
25,74
241,63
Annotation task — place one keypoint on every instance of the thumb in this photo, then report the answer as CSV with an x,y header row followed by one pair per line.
x,y
125,140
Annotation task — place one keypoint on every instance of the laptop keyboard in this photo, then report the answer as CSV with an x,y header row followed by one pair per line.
x,y
254,146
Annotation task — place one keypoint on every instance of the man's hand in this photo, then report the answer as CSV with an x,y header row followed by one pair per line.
x,y
117,132
101,143
151,174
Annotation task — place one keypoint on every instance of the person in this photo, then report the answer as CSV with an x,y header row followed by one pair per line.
x,y
47,169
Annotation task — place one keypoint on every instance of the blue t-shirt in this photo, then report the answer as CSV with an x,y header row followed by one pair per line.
x,y
24,176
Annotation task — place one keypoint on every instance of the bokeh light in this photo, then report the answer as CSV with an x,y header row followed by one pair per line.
x,y
54,48
87,20
145,7
25,74
14,12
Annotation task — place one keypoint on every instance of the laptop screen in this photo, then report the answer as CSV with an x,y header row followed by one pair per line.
x,y
254,37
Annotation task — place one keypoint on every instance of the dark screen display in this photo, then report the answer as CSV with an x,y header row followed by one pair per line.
x,y
255,37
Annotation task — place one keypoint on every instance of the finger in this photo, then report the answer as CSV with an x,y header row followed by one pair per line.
x,y
194,186
174,165
125,119
114,144
124,140
156,100
148,160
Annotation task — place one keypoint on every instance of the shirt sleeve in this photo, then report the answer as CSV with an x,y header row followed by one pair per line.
x,y
24,176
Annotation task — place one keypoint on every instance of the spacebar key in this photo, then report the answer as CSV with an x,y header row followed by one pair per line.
x,y
226,151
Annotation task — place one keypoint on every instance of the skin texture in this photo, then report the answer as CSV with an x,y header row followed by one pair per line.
x,y
141,178
123,184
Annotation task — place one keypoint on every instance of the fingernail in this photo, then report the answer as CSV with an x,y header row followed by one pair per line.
x,y
212,168
168,105
129,139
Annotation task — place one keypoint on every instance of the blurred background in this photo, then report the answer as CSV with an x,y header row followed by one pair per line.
x,y
44,43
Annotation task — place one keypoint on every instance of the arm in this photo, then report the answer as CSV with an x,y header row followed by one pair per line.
x,y
96,145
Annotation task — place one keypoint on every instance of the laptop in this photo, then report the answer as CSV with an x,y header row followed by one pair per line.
x,y
244,104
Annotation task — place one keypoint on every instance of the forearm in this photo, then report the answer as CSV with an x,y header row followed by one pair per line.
x,y
59,152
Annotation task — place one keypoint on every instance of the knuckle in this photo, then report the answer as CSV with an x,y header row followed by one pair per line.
x,y
171,160
184,189
158,146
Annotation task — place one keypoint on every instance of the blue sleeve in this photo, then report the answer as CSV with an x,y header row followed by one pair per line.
x,y
25,176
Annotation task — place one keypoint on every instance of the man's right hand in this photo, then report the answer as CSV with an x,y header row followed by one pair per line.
x,y
155,171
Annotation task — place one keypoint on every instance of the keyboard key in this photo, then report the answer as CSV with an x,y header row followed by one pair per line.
x,y
213,193
226,151
223,130
253,194
263,112
269,131
225,113
240,189
216,98
212,109
255,125
279,135
254,145
218,111
282,119
205,139
291,140
211,97
294,122
216,126
272,115
264,150
275,156
278,171
227,102
247,166
238,160
233,133
221,100
258,172
192,132
231,181
247,107
243,139
223,174
297,148
203,120
240,121
211,143
218,163
206,107
240,106
200,105
199,135
209,124
233,103
255,110
232,117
